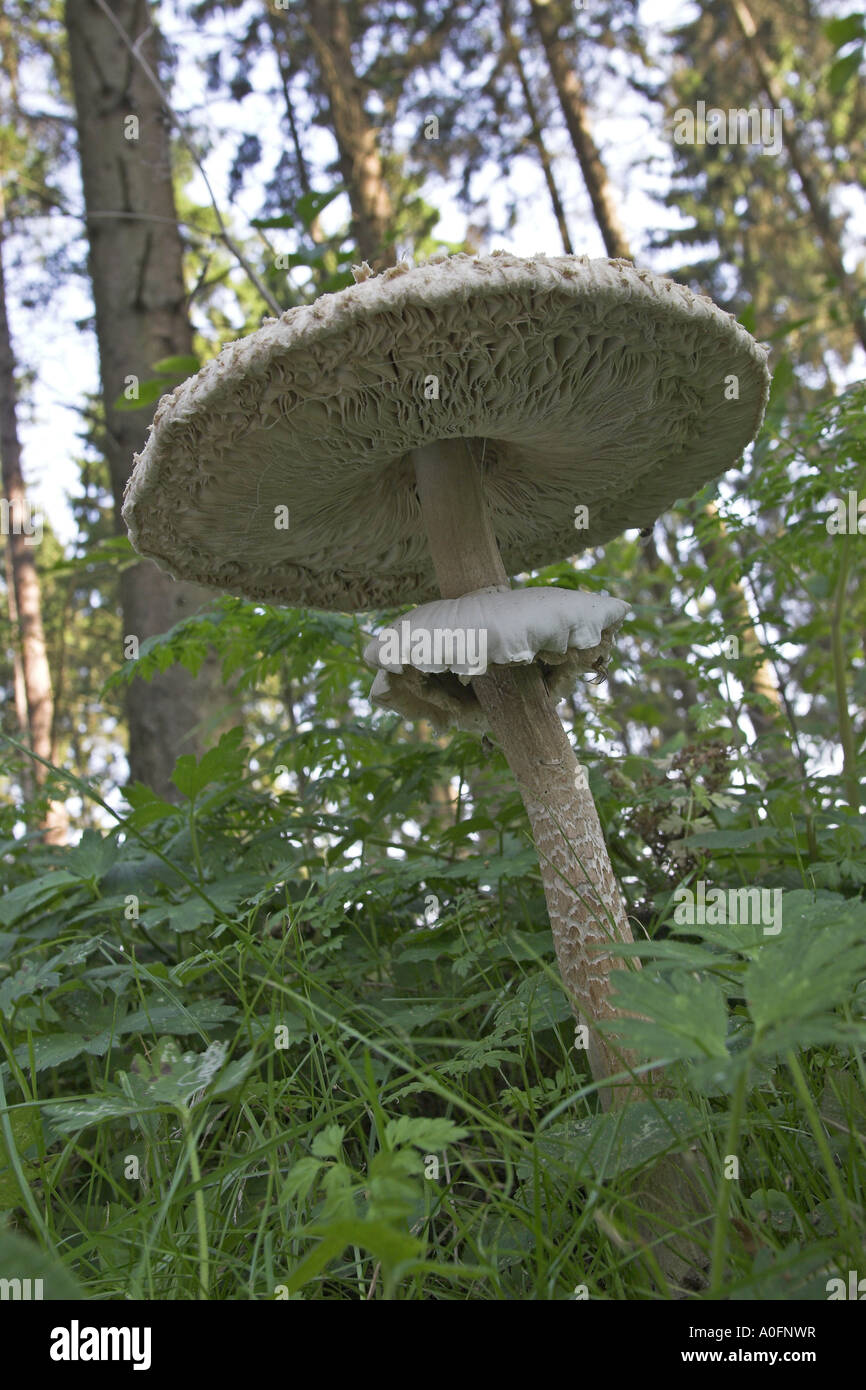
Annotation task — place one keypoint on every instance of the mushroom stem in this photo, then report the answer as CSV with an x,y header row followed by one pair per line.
x,y
584,900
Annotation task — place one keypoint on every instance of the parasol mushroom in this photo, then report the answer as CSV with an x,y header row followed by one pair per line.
x,y
425,667
429,431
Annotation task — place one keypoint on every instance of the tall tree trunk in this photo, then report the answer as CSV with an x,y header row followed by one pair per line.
x,y
536,130
761,682
20,690
569,90
850,292
360,162
136,265
25,598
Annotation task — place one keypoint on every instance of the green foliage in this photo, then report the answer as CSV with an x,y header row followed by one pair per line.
x,y
300,1031
171,371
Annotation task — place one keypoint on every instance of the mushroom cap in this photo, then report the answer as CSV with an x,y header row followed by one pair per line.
x,y
576,382
426,659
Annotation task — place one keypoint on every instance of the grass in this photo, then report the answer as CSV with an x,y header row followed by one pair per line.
x,y
335,1102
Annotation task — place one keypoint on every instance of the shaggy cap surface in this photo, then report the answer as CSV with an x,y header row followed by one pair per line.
x,y
281,471
425,660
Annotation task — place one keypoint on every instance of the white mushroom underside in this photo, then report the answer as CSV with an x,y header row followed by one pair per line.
x,y
281,470
426,659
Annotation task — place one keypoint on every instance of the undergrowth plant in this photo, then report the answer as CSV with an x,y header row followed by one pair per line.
x,y
299,1032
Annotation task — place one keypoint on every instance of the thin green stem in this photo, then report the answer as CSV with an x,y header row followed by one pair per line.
x,y
198,1199
846,731
722,1218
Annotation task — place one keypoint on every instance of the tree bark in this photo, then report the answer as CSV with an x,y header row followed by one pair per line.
x,y
136,266
850,292
569,91
536,131
32,671
357,143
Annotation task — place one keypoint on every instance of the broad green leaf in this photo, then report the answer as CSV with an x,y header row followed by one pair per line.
x,y
806,970
845,28
147,393
218,764
39,892
617,1141
328,1143
431,1135
308,207
93,856
680,1016
177,366
730,839
382,1241
843,70
300,1178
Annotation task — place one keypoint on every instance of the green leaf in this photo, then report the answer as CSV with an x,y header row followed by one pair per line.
x,y
382,1241
328,1143
681,1016
93,856
177,366
300,1178
843,70
311,204
147,807
804,971
233,1076
26,983
845,28
75,1115
148,392
222,763
198,1017
539,1002
730,839
609,1144
166,1077
430,1135
52,1050
286,219
170,1077
38,893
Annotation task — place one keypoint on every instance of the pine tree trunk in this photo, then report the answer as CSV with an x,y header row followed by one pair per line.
x,y
850,293
136,266
569,91
25,599
357,143
536,129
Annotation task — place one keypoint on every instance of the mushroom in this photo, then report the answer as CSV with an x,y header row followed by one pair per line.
x,y
426,663
429,431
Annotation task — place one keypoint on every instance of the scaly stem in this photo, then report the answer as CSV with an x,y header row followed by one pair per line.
x,y
583,897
